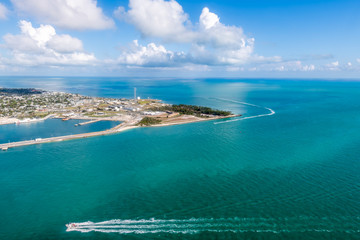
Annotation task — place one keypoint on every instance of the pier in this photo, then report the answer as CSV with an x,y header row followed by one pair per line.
x,y
89,122
119,128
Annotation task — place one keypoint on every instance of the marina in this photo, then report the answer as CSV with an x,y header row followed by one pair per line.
x,y
50,130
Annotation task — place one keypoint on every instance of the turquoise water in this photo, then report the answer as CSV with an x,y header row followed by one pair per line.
x,y
291,175
49,128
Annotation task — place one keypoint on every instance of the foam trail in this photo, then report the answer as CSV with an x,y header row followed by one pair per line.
x,y
271,112
235,225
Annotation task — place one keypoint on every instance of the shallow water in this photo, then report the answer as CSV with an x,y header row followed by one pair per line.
x,y
49,128
290,175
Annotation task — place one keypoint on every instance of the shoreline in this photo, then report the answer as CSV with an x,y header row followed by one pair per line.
x,y
123,126
6,121
197,119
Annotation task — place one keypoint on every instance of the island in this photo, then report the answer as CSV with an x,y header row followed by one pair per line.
x,y
26,105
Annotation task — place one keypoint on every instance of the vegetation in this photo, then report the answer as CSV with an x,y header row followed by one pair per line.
x,y
148,121
145,101
20,91
193,110
100,114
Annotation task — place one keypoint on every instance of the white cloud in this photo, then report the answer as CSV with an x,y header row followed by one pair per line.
x,y
310,67
284,66
65,44
358,60
212,43
228,44
42,46
69,14
335,64
208,19
158,18
151,55
120,13
3,11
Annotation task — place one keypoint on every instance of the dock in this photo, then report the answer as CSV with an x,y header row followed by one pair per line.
x,y
89,122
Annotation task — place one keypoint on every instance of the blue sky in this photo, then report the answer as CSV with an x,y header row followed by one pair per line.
x,y
244,38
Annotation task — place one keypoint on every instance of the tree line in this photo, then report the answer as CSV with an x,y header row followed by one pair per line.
x,y
192,110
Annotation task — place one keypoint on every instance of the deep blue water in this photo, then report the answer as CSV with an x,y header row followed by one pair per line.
x,y
291,175
49,128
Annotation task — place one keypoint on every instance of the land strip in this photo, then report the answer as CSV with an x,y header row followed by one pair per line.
x,y
31,105
119,128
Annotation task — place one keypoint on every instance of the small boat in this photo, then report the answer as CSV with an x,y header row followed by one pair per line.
x,y
65,119
71,226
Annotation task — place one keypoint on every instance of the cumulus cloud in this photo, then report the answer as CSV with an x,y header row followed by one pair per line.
x,y
69,14
208,19
228,44
3,11
158,18
65,44
151,55
212,43
39,46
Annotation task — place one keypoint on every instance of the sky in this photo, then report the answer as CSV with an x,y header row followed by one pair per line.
x,y
162,38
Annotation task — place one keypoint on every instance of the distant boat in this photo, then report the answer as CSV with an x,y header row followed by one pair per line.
x,y
71,226
66,119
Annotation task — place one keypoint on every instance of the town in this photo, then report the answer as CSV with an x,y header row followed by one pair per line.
x,y
26,105
31,104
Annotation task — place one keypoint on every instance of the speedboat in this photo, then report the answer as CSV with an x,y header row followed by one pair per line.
x,y
71,226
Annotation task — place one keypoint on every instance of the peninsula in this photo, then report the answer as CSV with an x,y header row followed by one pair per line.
x,y
24,105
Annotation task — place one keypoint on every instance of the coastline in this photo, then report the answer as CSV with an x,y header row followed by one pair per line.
x,y
123,126
193,120
5,120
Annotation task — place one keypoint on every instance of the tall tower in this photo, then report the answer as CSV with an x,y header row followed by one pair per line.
x,y
134,93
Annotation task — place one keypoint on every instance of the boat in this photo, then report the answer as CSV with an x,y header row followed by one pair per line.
x,y
71,226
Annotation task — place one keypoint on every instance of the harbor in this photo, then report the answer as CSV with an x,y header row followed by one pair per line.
x,y
121,127
125,124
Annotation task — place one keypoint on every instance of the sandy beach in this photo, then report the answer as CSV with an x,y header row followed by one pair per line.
x,y
6,120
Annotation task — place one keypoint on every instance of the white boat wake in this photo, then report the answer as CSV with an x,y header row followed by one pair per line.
x,y
271,112
235,225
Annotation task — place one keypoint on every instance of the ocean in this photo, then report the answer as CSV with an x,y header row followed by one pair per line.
x,y
288,168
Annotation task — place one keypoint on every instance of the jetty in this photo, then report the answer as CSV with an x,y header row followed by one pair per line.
x,y
128,123
89,122
121,127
